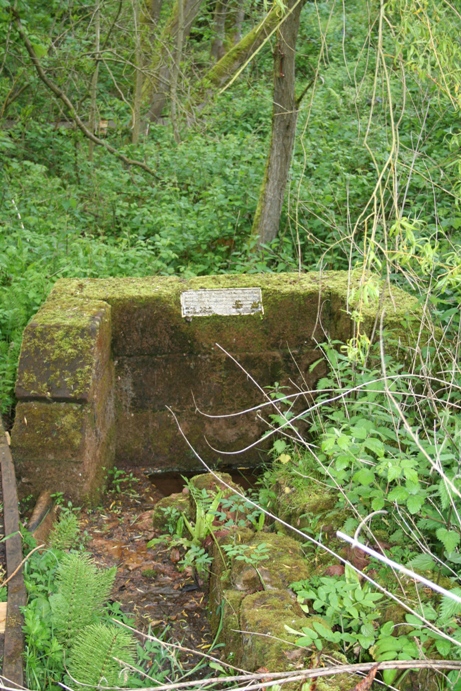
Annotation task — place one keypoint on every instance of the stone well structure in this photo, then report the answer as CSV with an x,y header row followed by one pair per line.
x,y
105,361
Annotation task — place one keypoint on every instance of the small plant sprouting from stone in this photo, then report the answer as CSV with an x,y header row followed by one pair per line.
x,y
249,554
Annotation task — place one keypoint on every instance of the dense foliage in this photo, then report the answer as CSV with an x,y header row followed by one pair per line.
x,y
376,147
375,185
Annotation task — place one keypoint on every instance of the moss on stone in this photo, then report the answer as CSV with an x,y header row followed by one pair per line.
x,y
284,565
226,618
49,431
177,501
263,617
61,347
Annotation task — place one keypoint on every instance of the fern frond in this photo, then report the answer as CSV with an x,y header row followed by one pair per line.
x,y
82,592
92,656
64,534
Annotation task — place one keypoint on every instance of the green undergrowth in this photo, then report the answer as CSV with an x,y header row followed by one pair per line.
x,y
380,457
74,633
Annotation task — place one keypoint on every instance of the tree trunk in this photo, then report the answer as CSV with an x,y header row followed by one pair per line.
x,y
157,88
238,55
155,9
175,70
219,21
94,80
139,61
284,115
239,16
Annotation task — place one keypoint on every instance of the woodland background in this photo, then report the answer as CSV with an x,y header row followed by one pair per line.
x,y
191,137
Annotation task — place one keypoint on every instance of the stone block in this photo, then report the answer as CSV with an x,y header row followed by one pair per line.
x,y
66,387
263,616
212,382
66,447
149,438
65,351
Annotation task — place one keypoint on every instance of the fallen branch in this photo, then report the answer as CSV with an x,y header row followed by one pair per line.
x,y
268,679
68,103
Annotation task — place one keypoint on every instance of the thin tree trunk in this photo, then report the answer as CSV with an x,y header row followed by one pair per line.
x,y
155,9
94,79
157,89
238,55
146,14
59,93
219,21
175,69
238,22
284,116
139,62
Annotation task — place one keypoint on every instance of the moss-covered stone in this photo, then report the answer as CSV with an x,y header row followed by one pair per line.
x,y
263,616
65,351
164,360
147,318
178,501
284,565
62,447
225,617
212,483
146,438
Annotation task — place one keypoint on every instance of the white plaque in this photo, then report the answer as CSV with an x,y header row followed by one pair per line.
x,y
225,302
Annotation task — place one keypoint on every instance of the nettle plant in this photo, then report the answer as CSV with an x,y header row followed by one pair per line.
x,y
391,442
384,439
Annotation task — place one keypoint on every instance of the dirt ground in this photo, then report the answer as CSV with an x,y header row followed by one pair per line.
x,y
148,584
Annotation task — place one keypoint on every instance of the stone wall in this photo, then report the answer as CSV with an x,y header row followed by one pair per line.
x,y
105,362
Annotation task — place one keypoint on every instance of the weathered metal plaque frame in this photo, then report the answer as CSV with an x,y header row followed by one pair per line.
x,y
225,302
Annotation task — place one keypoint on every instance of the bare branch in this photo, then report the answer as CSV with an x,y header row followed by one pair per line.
x,y
68,103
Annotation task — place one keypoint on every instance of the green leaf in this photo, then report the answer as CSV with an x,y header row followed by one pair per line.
x,y
279,446
364,476
449,538
423,562
448,607
394,472
443,647
398,494
375,445
343,441
377,503
414,503
359,431
39,50
389,675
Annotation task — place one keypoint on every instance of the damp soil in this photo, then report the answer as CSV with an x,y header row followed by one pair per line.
x,y
149,584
